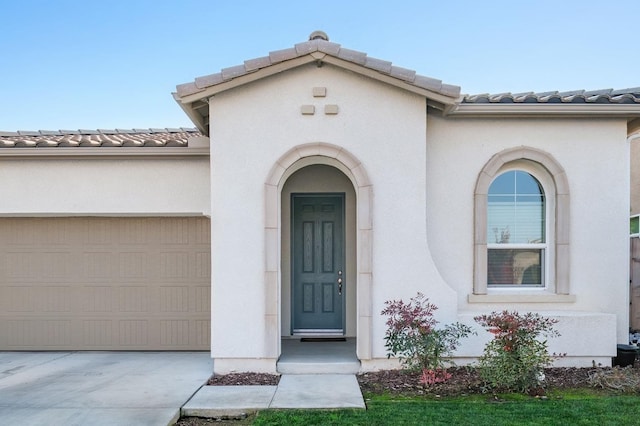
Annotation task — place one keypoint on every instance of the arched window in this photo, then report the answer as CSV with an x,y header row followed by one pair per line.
x,y
516,231
521,238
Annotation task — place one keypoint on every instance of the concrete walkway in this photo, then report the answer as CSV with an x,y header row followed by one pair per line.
x,y
315,375
98,388
315,391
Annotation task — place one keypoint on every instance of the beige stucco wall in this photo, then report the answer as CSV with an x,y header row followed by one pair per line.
x,y
594,155
63,187
252,127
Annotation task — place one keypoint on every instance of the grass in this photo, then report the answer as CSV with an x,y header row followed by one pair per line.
x,y
558,409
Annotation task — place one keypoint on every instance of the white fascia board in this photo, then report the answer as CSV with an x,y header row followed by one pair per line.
x,y
545,110
97,152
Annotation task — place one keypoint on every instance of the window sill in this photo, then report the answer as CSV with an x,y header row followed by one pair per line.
x,y
521,298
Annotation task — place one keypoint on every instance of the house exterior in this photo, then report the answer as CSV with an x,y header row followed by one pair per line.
x,y
634,242
318,184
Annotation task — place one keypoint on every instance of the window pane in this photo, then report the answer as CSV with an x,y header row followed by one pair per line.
x,y
503,184
634,225
527,184
515,267
517,216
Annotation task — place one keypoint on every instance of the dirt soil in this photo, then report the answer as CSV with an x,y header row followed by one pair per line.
x,y
464,381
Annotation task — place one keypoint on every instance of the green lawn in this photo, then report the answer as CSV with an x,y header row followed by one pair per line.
x,y
568,409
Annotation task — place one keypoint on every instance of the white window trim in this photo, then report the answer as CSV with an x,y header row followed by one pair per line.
x,y
553,179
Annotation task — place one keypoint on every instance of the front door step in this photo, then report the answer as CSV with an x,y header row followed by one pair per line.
x,y
323,357
317,367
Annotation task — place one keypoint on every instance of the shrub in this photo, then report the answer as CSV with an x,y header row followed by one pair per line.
x,y
515,358
412,336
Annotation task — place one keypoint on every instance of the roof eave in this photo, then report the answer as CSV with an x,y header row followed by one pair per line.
x,y
245,79
545,110
145,153
392,81
197,119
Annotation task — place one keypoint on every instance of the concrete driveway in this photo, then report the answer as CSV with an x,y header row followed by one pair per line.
x,y
98,388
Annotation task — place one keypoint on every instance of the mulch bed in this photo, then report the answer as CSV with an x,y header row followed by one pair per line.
x,y
244,379
464,381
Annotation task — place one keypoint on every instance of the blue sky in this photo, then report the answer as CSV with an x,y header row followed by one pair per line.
x,y
71,64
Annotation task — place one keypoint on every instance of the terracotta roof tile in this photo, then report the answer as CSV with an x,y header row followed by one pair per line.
x,y
352,56
208,80
328,47
319,43
378,65
403,74
602,96
428,83
257,63
233,72
450,90
106,138
306,47
187,89
283,55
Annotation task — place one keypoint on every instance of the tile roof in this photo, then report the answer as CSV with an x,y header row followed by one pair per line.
x,y
193,96
605,96
318,42
169,137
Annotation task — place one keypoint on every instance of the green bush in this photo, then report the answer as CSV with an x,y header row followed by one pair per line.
x,y
412,336
514,360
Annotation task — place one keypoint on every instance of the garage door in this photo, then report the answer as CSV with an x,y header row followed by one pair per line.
x,y
105,283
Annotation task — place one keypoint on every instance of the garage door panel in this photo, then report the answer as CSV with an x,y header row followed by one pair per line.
x,y
105,284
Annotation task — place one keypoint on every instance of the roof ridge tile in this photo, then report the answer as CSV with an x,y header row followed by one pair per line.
x,y
403,73
230,73
428,83
328,47
351,55
378,65
257,63
283,55
207,80
306,47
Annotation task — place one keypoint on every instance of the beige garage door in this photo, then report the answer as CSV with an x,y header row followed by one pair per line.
x,y
105,283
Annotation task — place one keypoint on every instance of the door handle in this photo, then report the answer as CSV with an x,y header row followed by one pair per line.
x,y
340,283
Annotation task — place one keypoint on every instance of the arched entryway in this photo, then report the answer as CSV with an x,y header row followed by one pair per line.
x,y
296,170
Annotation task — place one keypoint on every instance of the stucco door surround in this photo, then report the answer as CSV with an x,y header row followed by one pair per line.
x,y
292,161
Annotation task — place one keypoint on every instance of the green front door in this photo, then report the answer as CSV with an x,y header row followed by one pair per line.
x,y
317,248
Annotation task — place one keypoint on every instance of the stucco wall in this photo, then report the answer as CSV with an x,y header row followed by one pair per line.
x,y
254,125
594,155
62,187
423,171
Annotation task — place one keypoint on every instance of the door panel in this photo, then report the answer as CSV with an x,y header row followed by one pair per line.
x,y
318,263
